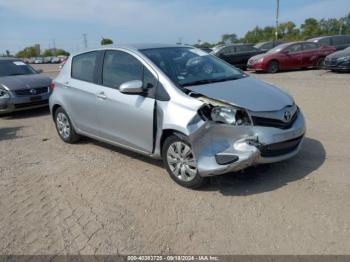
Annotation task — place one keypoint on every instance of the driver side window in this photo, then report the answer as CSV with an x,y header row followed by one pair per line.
x,y
230,50
120,67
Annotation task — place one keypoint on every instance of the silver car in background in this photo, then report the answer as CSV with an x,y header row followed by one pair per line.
x,y
21,86
202,116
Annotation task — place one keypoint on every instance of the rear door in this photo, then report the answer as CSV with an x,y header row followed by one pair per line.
x,y
126,119
310,54
79,92
228,54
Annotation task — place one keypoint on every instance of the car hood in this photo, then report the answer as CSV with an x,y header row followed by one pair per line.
x,y
339,54
24,81
248,93
257,57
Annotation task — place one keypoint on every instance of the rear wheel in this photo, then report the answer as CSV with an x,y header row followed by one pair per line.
x,y
64,127
272,67
180,162
320,63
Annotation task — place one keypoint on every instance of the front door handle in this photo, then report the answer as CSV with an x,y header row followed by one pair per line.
x,y
101,95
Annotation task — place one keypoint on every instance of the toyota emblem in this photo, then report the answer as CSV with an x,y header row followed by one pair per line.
x,y
32,91
287,116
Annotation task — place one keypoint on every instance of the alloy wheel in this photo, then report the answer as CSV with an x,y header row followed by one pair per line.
x,y
181,161
63,125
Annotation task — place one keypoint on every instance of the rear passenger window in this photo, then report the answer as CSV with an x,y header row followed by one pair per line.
x,y
294,48
83,66
230,50
120,67
310,46
324,41
339,40
244,48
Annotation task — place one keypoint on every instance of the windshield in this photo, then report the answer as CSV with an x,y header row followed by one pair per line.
x,y
278,48
189,66
11,68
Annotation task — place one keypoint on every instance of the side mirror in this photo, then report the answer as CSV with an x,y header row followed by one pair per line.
x,y
132,87
39,71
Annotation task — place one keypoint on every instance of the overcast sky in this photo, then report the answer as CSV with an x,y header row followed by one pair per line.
x,y
25,22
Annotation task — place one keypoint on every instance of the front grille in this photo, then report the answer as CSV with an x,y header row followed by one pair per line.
x,y
331,62
30,92
281,148
270,122
30,104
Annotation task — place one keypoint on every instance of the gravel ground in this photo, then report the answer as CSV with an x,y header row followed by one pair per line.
x,y
92,198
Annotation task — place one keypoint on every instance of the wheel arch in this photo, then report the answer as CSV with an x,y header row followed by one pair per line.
x,y
167,133
54,109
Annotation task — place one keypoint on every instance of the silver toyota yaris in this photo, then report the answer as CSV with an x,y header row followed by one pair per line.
x,y
202,116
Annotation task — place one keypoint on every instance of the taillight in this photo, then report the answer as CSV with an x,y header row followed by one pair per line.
x,y
52,86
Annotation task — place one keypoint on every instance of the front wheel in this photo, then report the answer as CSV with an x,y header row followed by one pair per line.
x,y
180,162
272,67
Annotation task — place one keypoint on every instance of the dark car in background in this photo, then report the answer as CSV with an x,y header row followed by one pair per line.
x,y
21,86
236,54
292,55
338,61
206,49
340,42
266,46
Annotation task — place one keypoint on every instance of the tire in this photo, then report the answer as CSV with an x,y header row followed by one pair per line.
x,y
320,63
64,127
272,67
180,163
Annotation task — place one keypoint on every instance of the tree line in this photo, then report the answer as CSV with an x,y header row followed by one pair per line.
x,y
288,31
33,51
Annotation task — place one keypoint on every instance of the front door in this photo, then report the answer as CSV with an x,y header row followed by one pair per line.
x,y
294,57
126,119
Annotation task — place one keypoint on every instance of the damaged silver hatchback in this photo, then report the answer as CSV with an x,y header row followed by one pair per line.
x,y
202,116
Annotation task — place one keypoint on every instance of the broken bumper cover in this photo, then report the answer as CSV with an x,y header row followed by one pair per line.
x,y
222,148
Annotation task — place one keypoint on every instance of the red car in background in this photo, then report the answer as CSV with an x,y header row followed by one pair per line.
x,y
292,55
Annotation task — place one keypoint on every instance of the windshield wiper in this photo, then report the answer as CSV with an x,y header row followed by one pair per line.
x,y
208,81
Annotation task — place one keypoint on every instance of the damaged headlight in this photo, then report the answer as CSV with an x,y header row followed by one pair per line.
x,y
4,93
344,59
229,115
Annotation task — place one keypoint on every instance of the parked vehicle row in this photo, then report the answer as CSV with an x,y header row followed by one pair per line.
x,y
275,55
293,55
45,60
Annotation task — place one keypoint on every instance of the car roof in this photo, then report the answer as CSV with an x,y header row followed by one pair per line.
x,y
326,36
135,47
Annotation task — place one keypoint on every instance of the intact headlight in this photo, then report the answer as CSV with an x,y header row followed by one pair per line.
x,y
344,59
4,93
230,115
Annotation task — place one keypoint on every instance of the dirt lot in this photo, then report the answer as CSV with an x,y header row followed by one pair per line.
x,y
92,198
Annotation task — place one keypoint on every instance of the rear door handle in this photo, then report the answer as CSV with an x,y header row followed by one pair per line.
x,y
101,95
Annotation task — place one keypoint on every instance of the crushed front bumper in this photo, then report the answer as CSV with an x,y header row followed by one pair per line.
x,y
220,148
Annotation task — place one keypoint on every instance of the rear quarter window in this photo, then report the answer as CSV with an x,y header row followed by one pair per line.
x,y
324,41
83,66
